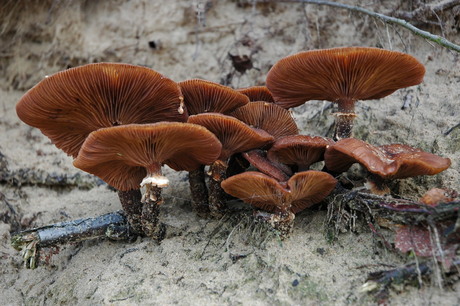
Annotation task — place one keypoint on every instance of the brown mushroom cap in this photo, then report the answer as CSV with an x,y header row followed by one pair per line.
x,y
267,116
354,73
70,104
123,155
300,150
258,158
257,93
303,190
235,135
201,96
388,161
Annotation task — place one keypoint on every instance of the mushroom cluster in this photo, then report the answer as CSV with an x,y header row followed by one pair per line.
x,y
122,123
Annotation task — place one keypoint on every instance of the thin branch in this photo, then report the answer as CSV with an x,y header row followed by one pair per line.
x,y
29,242
387,19
380,282
425,11
342,202
451,129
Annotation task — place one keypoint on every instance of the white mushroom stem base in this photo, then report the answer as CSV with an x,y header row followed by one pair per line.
x,y
151,207
283,222
151,183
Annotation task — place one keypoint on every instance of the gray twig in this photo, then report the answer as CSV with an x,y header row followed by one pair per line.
x,y
425,11
112,225
387,19
380,282
451,129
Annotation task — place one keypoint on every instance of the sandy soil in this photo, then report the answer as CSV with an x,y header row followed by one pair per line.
x,y
200,262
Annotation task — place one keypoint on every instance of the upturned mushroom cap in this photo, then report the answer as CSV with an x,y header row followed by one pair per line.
x,y
267,116
350,73
122,156
201,96
300,150
257,93
235,135
388,161
70,104
302,190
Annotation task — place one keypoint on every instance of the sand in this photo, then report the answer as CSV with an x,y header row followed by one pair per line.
x,y
228,261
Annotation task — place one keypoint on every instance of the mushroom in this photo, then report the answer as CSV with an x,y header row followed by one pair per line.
x,y
342,76
201,96
284,200
70,104
269,117
235,137
257,93
130,156
299,150
273,119
393,161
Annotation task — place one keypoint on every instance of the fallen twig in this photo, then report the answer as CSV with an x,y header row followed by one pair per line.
x,y
380,282
451,129
413,222
387,19
112,225
425,11
398,211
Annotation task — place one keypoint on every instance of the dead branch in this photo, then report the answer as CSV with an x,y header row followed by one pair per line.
x,y
386,19
343,202
29,242
425,11
451,129
380,282
345,207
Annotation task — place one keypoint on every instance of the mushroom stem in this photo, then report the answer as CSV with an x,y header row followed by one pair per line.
x,y
150,213
237,164
282,221
152,200
132,205
344,119
217,195
377,185
199,191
